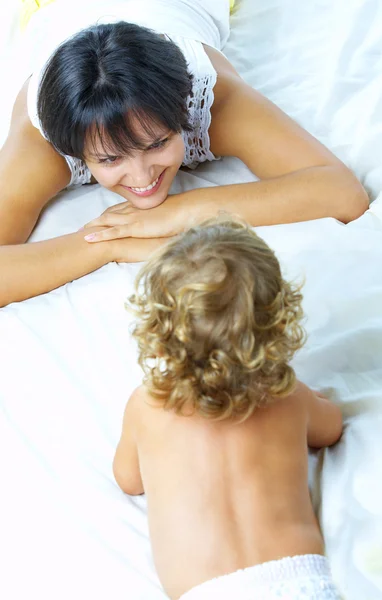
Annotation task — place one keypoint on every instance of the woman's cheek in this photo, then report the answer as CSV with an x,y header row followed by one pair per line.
x,y
105,176
176,153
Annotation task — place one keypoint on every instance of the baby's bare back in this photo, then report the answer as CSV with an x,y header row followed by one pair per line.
x,y
225,496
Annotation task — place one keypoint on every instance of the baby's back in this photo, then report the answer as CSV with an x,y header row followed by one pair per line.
x,y
224,496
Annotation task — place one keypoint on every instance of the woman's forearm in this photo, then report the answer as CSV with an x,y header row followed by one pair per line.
x,y
312,193
28,270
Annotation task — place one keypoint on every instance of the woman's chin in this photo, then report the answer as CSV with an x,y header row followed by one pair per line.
x,y
147,202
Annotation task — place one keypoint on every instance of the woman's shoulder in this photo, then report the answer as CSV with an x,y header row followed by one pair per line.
x,y
20,106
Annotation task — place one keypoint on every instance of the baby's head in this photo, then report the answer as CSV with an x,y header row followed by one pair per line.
x,y
217,323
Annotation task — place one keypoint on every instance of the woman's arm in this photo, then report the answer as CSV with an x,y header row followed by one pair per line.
x,y
307,194
300,179
27,270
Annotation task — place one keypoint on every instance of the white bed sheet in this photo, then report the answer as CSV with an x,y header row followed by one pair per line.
x,y
68,364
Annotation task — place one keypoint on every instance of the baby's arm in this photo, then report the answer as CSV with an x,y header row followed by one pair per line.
x,y
126,463
324,417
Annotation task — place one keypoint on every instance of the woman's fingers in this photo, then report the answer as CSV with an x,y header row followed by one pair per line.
x,y
111,233
109,219
123,208
119,207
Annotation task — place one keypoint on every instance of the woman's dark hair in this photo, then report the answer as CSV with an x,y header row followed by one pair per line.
x,y
107,76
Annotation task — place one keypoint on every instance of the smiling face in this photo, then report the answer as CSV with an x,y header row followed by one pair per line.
x,y
120,108
143,177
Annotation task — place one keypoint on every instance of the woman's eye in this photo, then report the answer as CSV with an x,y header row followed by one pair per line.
x,y
109,160
159,144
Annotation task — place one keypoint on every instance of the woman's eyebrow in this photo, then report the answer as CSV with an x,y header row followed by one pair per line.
x,y
99,155
160,138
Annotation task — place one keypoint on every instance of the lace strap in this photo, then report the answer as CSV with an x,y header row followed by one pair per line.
x,y
197,141
79,170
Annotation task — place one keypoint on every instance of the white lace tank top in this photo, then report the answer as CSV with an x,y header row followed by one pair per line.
x,y
212,31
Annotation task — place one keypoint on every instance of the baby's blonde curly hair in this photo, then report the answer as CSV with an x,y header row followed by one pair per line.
x,y
217,324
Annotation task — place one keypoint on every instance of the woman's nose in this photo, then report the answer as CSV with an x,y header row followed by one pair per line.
x,y
137,171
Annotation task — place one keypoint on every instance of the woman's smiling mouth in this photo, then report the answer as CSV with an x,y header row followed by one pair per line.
x,y
150,189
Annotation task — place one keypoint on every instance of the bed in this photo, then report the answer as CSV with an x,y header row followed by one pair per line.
x,y
68,363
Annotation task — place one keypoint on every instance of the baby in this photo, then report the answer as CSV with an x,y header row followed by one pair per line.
x,y
217,436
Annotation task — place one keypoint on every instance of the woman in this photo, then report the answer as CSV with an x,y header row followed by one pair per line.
x,y
126,107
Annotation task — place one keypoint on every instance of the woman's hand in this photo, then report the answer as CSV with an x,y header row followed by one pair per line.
x,y
124,221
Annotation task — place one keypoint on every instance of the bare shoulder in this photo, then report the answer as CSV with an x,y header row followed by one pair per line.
x,y
220,62
227,76
303,412
140,415
323,417
141,395
133,410
21,124
140,400
20,107
289,408
27,162
280,418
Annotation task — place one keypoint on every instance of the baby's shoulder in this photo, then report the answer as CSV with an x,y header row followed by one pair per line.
x,y
285,411
140,396
142,402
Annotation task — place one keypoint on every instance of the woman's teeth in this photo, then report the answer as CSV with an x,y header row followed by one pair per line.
x,y
146,189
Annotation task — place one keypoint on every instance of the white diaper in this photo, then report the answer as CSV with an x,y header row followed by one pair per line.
x,y
304,577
